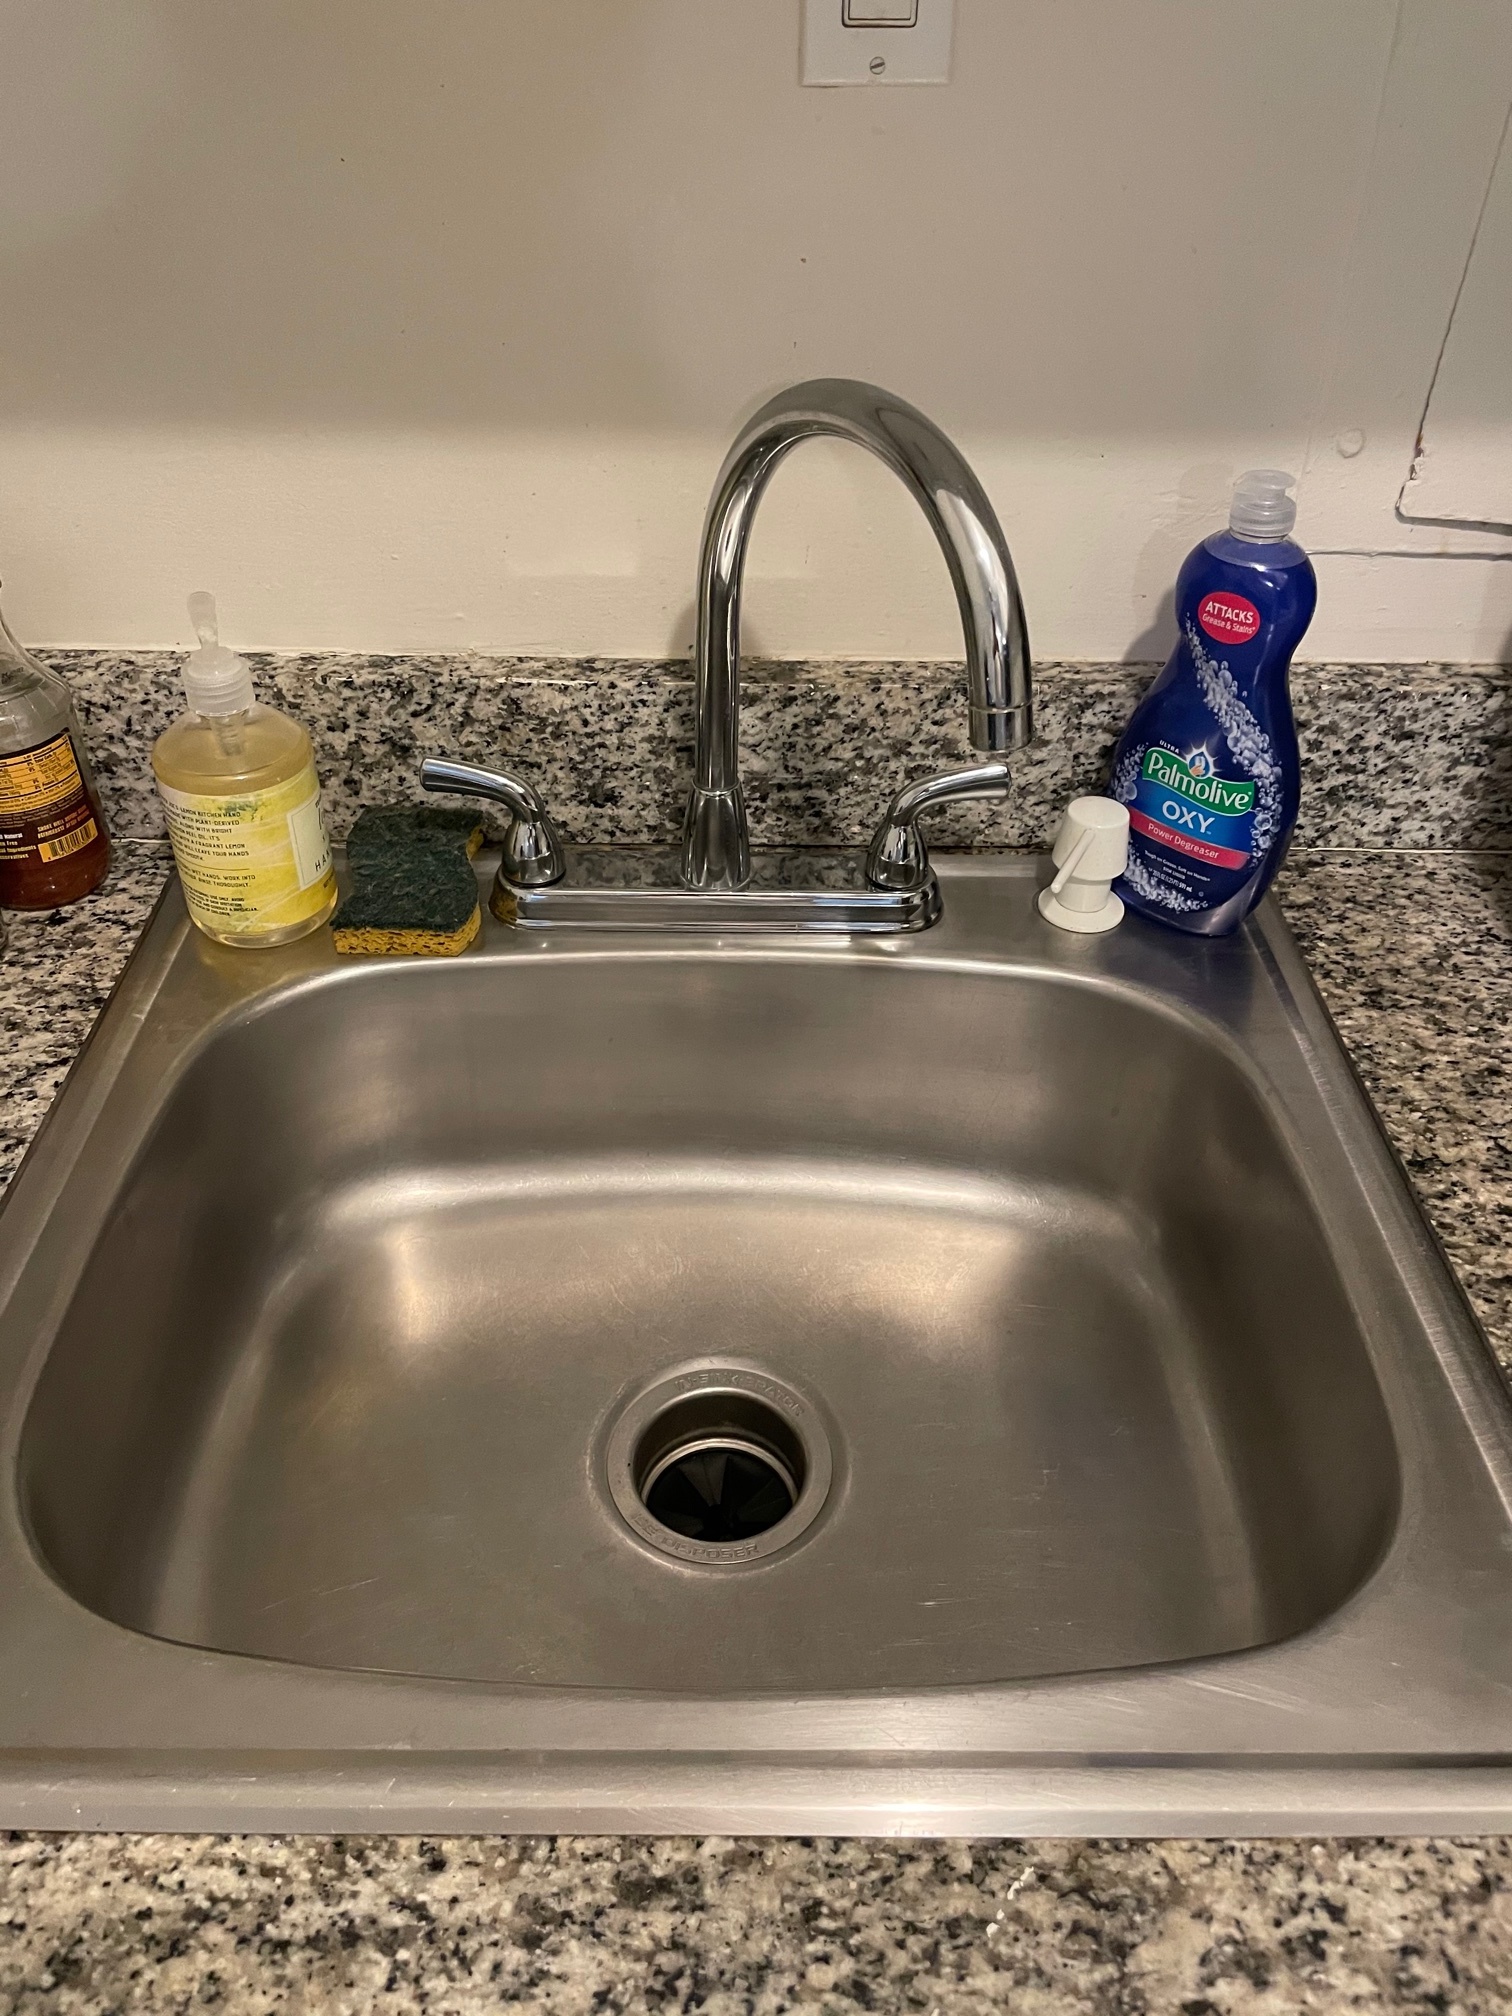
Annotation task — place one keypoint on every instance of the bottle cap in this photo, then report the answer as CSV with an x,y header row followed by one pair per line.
x,y
216,681
1261,508
1091,851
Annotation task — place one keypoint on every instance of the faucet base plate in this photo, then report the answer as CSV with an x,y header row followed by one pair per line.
x,y
791,890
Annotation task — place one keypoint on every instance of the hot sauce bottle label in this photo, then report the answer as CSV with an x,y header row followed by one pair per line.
x,y
45,811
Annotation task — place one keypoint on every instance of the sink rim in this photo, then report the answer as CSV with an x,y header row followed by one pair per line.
x,y
1391,1711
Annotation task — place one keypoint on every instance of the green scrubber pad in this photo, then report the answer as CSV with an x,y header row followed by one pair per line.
x,y
413,885
383,826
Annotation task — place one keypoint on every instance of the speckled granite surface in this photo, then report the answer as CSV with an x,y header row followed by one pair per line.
x,y
1396,757
732,1928
56,973
1414,955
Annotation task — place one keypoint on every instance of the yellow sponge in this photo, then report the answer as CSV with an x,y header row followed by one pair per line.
x,y
413,886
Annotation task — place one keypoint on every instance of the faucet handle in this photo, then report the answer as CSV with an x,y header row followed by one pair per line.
x,y
897,857
532,852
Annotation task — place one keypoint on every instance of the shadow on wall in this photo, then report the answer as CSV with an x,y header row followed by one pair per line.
x,y
1198,506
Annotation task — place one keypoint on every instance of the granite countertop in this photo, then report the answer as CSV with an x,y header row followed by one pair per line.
x,y
1413,952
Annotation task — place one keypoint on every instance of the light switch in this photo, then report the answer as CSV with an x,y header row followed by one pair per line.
x,y
880,13
877,41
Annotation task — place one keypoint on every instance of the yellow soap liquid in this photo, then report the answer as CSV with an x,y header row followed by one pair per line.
x,y
243,807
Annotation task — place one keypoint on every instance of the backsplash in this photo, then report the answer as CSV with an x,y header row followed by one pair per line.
x,y
1394,756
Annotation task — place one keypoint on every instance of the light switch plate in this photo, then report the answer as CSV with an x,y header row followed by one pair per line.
x,y
892,50
879,13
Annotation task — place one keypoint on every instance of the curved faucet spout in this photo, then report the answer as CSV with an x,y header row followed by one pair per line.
x,y
716,845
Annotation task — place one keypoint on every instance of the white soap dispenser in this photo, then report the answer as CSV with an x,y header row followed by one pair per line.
x,y
1090,853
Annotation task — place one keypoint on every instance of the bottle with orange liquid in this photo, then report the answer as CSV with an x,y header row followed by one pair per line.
x,y
53,843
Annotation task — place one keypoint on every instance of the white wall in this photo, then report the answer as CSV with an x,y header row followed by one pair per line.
x,y
410,324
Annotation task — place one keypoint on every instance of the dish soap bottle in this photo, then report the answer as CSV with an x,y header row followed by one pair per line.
x,y
238,785
53,843
1208,765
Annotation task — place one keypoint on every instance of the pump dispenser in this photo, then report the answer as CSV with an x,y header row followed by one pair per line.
x,y
1091,851
217,683
242,801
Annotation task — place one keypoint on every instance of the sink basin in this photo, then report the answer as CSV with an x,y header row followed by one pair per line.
x,y
992,1381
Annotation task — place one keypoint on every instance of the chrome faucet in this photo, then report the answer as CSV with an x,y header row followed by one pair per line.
x,y
716,843
893,888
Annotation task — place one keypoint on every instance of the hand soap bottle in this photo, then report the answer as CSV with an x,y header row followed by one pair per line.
x,y
238,785
1208,765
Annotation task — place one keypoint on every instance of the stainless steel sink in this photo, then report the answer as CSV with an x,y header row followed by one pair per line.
x,y
992,1381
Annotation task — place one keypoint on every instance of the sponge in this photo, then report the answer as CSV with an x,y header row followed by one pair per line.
x,y
379,827
413,887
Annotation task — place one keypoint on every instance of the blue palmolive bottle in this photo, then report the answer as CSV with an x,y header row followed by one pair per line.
x,y
1208,764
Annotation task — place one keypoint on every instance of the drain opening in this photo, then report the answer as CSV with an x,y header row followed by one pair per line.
x,y
719,1468
720,1489
717,1465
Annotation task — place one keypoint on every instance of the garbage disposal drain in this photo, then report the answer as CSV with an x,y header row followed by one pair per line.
x,y
719,1464
718,1488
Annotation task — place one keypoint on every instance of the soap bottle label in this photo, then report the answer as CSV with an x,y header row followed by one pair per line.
x,y
1206,806
252,861
1182,802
